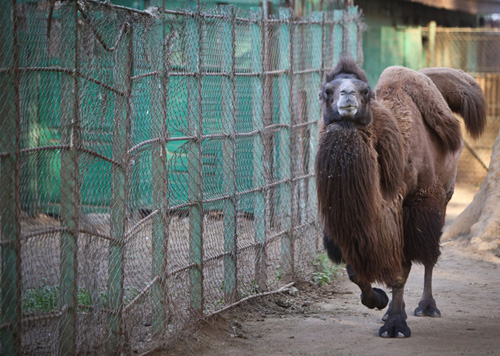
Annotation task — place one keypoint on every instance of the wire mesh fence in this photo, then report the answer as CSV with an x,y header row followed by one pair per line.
x,y
477,52
156,166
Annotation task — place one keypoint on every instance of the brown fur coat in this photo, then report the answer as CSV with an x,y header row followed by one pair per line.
x,y
383,188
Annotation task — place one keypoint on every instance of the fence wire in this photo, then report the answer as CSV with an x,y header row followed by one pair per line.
x,y
476,51
156,166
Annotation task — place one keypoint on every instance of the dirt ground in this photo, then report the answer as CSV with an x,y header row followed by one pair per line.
x,y
330,320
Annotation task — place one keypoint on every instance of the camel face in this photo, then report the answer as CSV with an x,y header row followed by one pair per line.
x,y
346,101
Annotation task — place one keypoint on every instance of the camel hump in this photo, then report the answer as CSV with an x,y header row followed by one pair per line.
x,y
431,103
463,95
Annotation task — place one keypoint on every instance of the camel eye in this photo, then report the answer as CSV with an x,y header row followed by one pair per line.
x,y
328,91
364,92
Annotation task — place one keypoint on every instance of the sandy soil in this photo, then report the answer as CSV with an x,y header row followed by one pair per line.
x,y
330,320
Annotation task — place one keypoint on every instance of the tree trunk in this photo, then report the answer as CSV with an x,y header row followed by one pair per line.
x,y
479,224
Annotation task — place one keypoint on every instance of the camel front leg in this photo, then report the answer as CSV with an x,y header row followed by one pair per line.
x,y
395,318
427,305
370,297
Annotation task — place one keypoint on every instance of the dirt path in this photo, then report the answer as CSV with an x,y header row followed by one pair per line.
x,y
331,320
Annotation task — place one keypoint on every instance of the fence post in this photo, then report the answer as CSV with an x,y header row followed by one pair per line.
x,y
268,138
195,184
70,185
258,149
159,158
286,200
350,32
229,156
338,36
120,175
10,185
313,107
431,52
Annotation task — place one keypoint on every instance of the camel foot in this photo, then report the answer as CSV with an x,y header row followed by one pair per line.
x,y
377,300
386,316
427,308
395,326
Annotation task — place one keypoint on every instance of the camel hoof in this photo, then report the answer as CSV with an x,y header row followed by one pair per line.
x,y
432,312
395,327
386,335
427,308
379,299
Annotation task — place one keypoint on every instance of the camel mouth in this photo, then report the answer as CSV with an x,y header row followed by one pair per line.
x,y
348,111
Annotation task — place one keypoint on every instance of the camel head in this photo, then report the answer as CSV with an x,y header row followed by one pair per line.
x,y
346,96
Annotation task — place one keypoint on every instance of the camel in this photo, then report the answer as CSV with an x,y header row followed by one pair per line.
x,y
385,170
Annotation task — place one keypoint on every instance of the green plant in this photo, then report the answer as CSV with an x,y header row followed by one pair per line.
x,y
41,299
325,270
46,298
279,273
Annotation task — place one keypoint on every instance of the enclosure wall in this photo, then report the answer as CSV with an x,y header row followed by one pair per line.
x,y
156,166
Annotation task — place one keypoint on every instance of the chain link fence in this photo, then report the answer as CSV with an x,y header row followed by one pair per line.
x,y
156,166
477,52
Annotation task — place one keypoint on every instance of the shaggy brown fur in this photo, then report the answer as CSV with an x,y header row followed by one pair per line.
x,y
463,95
356,170
383,186
418,98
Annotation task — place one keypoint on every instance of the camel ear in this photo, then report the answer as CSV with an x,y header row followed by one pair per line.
x,y
367,93
321,96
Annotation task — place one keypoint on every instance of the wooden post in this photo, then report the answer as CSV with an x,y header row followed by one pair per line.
x,y
161,220
313,107
195,184
10,183
350,35
431,51
120,175
70,186
286,161
337,39
267,118
258,181
229,156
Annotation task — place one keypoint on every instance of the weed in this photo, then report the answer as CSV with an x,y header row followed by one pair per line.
x,y
279,273
46,298
325,270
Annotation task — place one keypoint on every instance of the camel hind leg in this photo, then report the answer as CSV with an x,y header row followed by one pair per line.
x,y
423,221
427,305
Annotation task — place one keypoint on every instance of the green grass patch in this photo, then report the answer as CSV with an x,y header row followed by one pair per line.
x,y
325,270
46,299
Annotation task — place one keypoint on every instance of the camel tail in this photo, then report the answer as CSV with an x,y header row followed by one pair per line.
x,y
463,95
